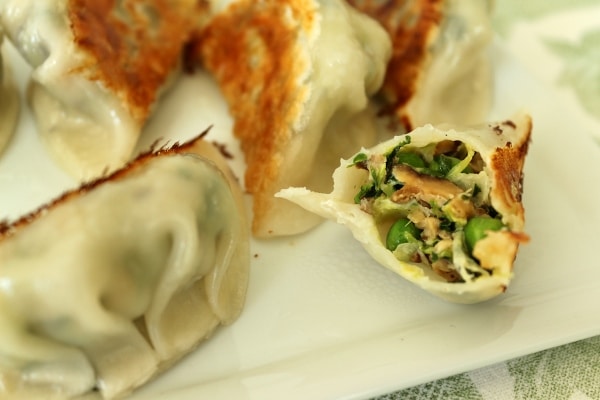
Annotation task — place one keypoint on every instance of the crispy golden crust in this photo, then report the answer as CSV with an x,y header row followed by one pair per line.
x,y
132,48
256,57
8,229
507,165
412,25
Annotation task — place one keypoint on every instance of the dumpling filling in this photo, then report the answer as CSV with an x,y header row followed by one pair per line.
x,y
431,205
440,206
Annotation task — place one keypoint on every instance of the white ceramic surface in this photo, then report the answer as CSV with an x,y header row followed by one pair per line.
x,y
322,320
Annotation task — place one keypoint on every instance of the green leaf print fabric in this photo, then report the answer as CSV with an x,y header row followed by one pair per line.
x,y
509,12
581,68
559,42
577,364
453,388
569,372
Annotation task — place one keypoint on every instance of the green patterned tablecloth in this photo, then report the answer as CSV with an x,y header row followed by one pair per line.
x,y
569,372
559,42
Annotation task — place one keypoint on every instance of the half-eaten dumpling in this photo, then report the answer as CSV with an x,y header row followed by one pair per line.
x,y
297,76
9,104
440,206
109,284
439,71
98,70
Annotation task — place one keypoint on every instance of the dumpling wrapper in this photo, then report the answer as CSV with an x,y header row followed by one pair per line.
x,y
297,76
9,103
502,147
439,71
99,68
109,285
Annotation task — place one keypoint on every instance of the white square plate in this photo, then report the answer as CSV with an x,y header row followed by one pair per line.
x,y
324,321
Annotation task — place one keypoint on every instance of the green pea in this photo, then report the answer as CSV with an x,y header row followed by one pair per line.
x,y
412,159
401,232
476,229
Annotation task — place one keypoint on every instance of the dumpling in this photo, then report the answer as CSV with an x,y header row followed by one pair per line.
x,y
9,104
440,206
109,284
297,76
98,69
439,71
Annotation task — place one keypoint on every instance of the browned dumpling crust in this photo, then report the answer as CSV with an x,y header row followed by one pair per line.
x,y
98,69
132,47
264,96
412,26
438,72
285,81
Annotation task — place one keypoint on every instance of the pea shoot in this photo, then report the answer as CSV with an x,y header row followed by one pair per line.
x,y
410,158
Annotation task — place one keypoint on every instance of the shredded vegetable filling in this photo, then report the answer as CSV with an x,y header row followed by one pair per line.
x,y
432,203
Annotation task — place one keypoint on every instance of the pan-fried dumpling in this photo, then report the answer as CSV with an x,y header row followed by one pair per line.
x,y
440,206
297,76
98,70
9,104
439,71
110,284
